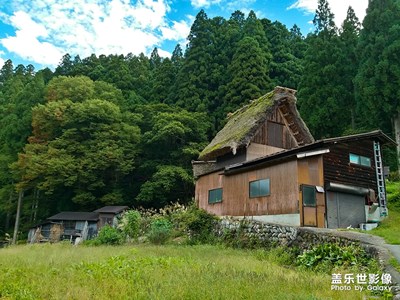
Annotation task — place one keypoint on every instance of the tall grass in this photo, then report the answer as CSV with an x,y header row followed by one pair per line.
x,y
61,271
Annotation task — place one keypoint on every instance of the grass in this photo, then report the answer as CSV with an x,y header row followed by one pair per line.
x,y
389,228
62,271
393,261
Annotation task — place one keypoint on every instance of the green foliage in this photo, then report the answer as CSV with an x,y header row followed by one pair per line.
x,y
328,256
393,194
130,223
160,231
201,225
109,236
376,83
194,223
389,227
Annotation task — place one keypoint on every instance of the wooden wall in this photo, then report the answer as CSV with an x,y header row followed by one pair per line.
x,y
258,150
311,172
337,167
279,135
283,198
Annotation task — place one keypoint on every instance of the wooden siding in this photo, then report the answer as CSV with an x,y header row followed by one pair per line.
x,y
276,123
311,173
257,150
338,169
283,198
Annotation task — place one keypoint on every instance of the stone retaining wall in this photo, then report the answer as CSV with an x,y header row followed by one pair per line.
x,y
279,234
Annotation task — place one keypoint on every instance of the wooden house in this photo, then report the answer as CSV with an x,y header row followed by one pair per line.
x,y
110,214
265,164
70,225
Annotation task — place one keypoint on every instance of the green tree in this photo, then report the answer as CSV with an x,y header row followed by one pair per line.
x,y
320,89
85,145
171,139
348,61
378,76
249,74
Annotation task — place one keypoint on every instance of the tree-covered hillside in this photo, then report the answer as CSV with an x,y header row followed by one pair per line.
x,y
123,129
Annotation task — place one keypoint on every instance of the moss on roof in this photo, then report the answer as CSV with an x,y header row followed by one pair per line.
x,y
240,127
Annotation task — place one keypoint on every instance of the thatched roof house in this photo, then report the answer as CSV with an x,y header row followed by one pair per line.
x,y
265,164
244,125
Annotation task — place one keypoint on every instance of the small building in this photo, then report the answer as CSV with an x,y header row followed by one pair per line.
x,y
110,214
70,225
265,164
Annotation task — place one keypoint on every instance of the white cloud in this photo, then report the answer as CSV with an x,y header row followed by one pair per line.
x,y
338,8
26,41
164,53
178,31
203,3
47,29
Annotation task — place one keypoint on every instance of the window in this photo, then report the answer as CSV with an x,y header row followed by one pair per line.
x,y
309,195
259,188
215,196
360,160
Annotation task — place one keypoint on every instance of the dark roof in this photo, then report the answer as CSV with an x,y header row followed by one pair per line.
x,y
376,134
111,209
292,153
243,124
75,216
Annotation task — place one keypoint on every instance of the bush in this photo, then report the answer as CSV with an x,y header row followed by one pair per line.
x,y
110,236
201,225
160,230
326,257
130,224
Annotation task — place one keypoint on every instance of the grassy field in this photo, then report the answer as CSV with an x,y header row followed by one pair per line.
x,y
62,271
389,228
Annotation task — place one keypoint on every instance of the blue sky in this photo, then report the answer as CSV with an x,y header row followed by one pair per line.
x,y
40,32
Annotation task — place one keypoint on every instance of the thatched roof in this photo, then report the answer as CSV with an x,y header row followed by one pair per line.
x,y
243,124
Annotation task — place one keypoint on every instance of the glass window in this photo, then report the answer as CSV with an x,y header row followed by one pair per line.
x,y
354,159
215,196
365,161
360,160
259,188
309,195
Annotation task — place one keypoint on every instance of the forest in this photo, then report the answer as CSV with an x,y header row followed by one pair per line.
x,y
123,129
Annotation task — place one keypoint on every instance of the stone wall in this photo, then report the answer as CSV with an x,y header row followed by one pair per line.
x,y
277,234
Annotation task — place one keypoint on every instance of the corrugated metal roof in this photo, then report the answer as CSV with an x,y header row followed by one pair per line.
x,y
75,216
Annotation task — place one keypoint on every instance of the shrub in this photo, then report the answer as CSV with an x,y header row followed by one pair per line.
x,y
160,230
110,236
130,224
201,225
326,257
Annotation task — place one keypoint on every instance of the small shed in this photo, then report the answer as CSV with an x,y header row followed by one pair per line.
x,y
110,214
77,224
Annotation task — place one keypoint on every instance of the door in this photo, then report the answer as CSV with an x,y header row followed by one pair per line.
x,y
344,210
309,197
